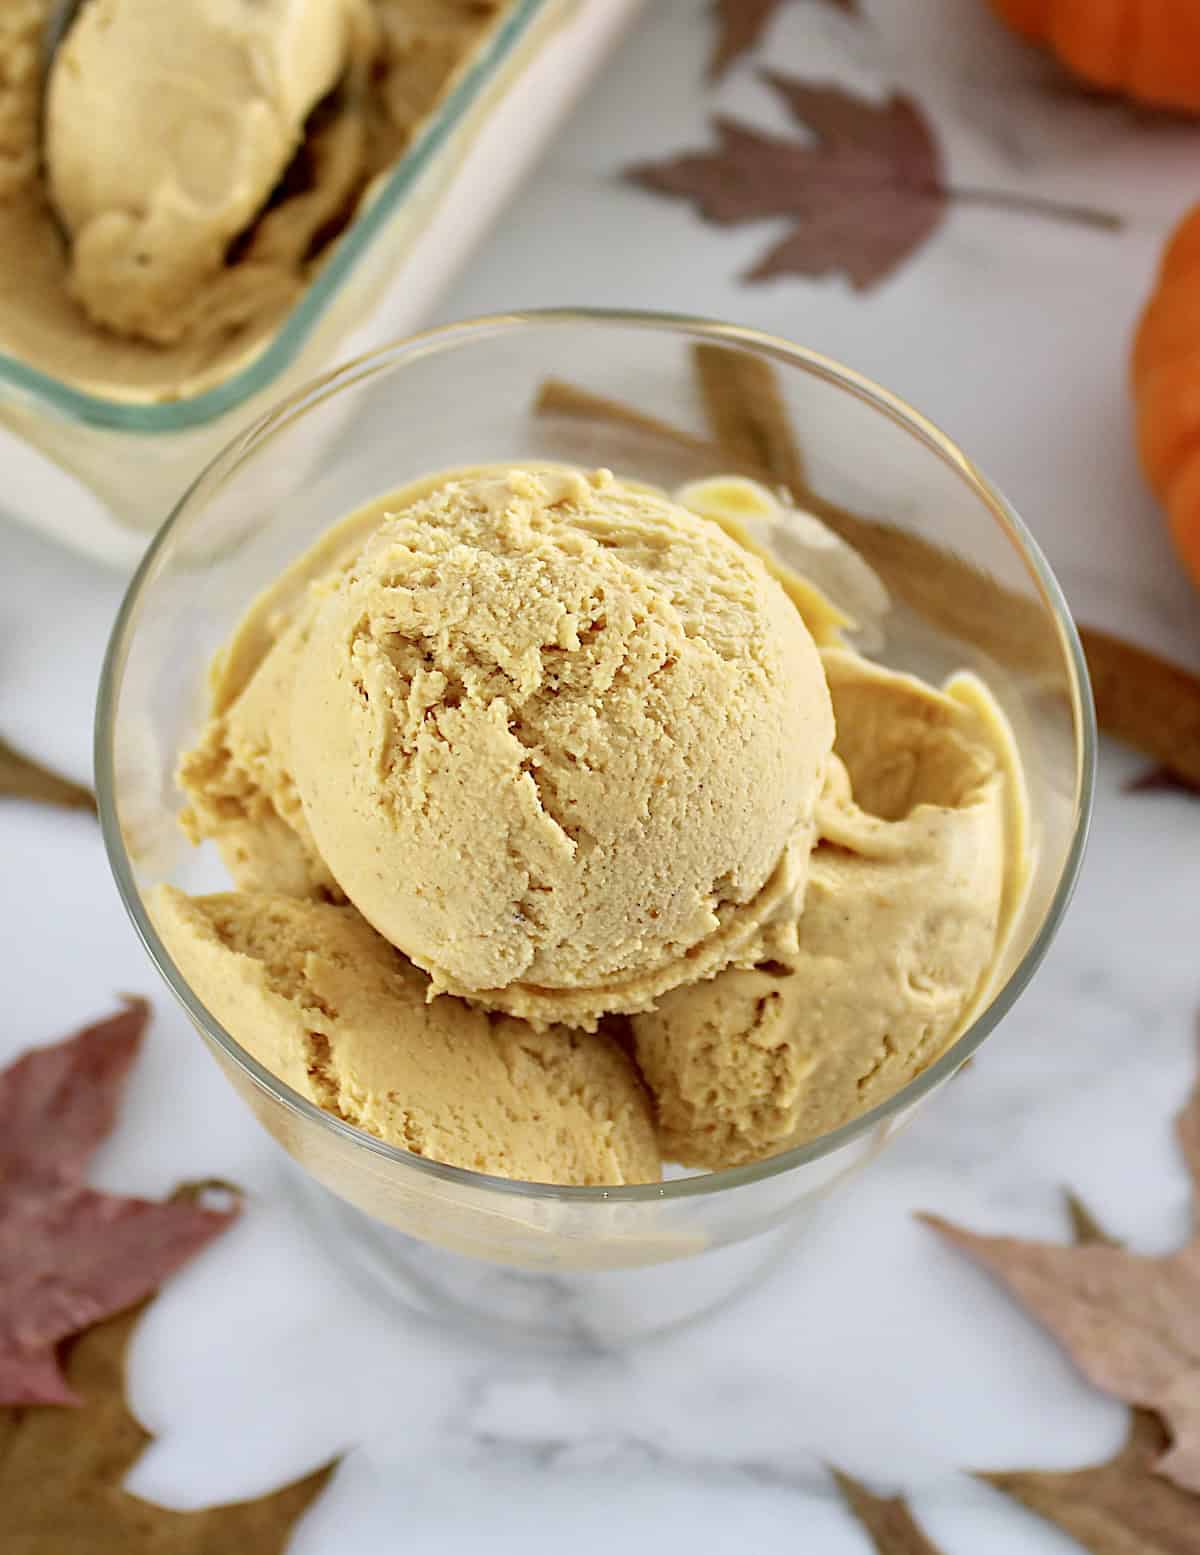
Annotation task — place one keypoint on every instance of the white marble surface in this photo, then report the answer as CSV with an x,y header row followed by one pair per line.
x,y
873,1347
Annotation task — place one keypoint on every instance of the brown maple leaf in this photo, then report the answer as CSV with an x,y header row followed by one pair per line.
x,y
864,193
23,778
61,1472
741,23
70,1255
1130,1323
887,1519
1122,1507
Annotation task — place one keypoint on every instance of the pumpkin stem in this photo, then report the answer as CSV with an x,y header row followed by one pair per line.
x,y
1087,215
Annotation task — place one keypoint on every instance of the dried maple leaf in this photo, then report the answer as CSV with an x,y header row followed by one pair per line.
x,y
1130,1323
741,23
58,1103
1122,1507
23,778
889,1522
70,1255
61,1472
1085,1225
864,193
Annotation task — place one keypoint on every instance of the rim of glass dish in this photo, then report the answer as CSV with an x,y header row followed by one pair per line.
x,y
281,350
455,336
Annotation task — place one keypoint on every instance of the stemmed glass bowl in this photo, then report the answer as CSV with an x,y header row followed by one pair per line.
x,y
968,588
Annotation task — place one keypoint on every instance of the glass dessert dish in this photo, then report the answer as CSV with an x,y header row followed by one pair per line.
x,y
662,400
98,469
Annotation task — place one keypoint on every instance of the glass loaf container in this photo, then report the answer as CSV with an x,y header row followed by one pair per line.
x,y
100,472
601,1264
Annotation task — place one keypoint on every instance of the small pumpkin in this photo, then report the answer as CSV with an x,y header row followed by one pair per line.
x,y
1147,49
1166,387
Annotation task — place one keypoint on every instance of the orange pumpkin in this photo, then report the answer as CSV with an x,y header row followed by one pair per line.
x,y
1148,49
1166,386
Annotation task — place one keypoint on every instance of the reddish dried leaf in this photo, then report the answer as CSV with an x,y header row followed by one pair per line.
x,y
895,135
57,1103
741,23
866,254
61,1472
69,1255
1130,1323
864,193
887,1519
1122,1507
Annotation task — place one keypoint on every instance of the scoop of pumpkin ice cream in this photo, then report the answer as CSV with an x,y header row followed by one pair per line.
x,y
909,890
312,992
561,742
167,125
238,776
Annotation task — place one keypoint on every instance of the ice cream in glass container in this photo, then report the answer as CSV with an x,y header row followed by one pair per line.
x,y
201,202
582,834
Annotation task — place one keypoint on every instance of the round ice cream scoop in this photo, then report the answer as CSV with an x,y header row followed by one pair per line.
x,y
167,125
561,742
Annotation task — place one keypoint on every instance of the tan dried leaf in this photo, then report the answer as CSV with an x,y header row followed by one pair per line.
x,y
61,1472
887,1519
23,778
1130,1323
1122,1507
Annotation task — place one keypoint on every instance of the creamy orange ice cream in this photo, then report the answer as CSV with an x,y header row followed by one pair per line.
x,y
586,702
912,883
314,993
573,693
579,757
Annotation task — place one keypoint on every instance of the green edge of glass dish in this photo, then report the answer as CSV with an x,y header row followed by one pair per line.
x,y
863,388
180,415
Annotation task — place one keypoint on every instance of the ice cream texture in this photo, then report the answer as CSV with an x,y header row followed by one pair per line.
x,y
323,1002
590,700
910,891
571,750
581,693
203,157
